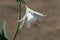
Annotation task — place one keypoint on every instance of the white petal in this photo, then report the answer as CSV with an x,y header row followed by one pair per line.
x,y
22,24
35,12
22,19
31,16
39,13
28,24
28,14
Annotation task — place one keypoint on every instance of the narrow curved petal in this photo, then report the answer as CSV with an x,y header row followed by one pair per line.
x,y
28,24
22,19
40,14
22,24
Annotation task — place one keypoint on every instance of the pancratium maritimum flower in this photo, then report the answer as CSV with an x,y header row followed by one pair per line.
x,y
31,17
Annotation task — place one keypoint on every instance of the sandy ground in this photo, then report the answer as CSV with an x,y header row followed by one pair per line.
x,y
49,28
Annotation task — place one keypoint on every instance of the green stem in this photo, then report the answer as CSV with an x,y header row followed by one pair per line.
x,y
19,17
25,3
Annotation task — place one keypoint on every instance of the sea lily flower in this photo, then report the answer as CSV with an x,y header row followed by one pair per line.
x,y
31,16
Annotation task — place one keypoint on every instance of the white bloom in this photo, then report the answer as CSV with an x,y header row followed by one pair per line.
x,y
31,17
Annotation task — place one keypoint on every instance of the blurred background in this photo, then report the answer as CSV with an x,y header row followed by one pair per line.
x,y
49,28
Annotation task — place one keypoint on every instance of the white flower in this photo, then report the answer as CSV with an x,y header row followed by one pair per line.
x,y
31,17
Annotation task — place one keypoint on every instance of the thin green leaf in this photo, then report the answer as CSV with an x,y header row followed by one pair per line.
x,y
4,29
2,37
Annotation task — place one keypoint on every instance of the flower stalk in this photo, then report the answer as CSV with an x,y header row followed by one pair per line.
x,y
19,17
